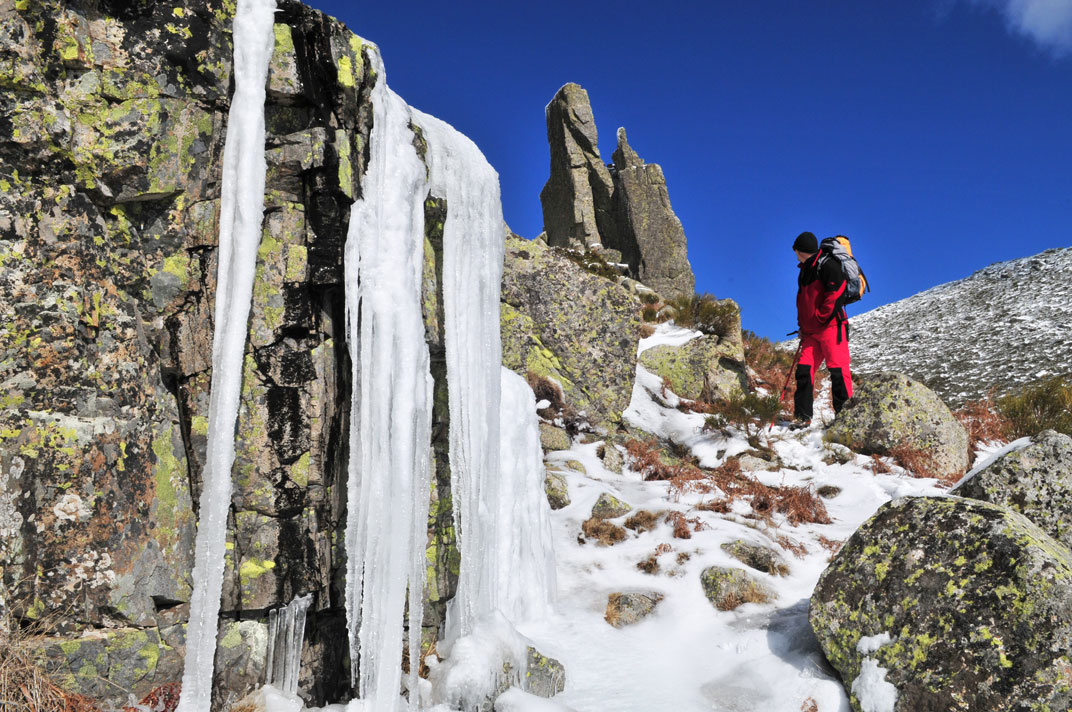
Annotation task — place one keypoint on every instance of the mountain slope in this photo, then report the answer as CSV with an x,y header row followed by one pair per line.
x,y
1004,326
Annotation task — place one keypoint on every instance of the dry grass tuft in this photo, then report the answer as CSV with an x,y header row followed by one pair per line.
x,y
605,533
831,545
879,466
809,705
794,547
1043,405
646,330
984,422
642,521
162,699
649,565
682,525
25,686
918,464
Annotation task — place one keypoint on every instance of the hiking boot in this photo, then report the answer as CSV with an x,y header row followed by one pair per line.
x,y
800,424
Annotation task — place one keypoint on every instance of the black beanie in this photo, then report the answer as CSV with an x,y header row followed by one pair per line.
x,y
806,243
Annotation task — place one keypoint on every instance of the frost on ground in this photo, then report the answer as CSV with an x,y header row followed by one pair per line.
x,y
688,655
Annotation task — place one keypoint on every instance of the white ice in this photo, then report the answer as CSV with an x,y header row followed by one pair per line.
x,y
241,215
391,410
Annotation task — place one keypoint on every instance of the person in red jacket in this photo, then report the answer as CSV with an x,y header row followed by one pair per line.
x,y
824,329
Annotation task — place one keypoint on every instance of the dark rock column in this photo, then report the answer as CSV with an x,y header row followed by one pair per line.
x,y
577,197
650,236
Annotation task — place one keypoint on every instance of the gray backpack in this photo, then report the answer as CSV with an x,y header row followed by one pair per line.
x,y
838,248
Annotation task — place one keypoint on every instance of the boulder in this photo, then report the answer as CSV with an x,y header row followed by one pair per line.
x,y
577,197
628,608
704,368
609,507
889,413
760,558
957,604
649,235
1035,481
552,438
558,320
554,485
727,588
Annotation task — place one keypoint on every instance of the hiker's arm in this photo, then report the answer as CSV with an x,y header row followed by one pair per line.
x,y
833,287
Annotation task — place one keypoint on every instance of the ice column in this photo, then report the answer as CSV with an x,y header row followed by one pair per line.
x,y
526,561
241,214
473,246
286,632
500,514
390,429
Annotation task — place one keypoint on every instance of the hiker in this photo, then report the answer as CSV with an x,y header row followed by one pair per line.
x,y
824,328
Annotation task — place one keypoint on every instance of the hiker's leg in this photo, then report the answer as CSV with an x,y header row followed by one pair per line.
x,y
805,375
837,361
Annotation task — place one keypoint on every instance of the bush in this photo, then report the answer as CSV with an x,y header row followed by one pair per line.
x,y
749,411
1043,405
983,422
705,313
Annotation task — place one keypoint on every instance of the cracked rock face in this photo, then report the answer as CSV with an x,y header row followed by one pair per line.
x,y
964,605
112,122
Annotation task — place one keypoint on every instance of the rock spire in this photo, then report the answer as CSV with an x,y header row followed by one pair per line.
x,y
624,206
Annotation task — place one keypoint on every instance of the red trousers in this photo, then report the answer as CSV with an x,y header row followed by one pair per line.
x,y
830,345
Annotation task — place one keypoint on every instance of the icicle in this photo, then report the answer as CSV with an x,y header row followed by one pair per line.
x,y
473,246
526,568
241,214
390,429
286,633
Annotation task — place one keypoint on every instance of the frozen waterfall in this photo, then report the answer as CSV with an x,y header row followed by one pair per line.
x,y
391,410
241,214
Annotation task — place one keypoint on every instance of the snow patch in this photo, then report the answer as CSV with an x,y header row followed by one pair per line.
x,y
872,689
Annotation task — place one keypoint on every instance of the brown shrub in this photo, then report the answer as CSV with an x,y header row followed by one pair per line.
x,y
705,313
164,698
719,506
663,548
879,466
646,330
642,521
809,705
918,464
794,547
649,313
984,422
682,524
649,565
605,533
831,545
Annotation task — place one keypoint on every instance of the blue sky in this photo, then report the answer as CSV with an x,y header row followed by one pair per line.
x,y
936,134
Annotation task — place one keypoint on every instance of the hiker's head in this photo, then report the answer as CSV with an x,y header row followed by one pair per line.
x,y
805,245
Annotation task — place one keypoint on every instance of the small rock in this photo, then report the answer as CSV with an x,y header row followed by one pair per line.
x,y
758,557
628,608
552,438
576,466
554,485
838,454
609,507
612,459
728,588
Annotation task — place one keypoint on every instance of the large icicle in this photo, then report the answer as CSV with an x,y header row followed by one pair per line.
x,y
241,215
390,429
473,246
527,581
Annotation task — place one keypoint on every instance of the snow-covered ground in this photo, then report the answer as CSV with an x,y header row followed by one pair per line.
x,y
688,655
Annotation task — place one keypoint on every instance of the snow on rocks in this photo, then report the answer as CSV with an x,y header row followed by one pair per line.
x,y
685,654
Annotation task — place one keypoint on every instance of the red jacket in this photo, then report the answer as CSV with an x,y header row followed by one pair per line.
x,y
818,288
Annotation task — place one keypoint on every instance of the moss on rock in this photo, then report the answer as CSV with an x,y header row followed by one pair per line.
x,y
976,600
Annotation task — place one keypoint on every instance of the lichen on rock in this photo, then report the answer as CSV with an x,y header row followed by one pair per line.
x,y
889,411
976,599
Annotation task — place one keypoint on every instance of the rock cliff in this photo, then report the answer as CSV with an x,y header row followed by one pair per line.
x,y
112,122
